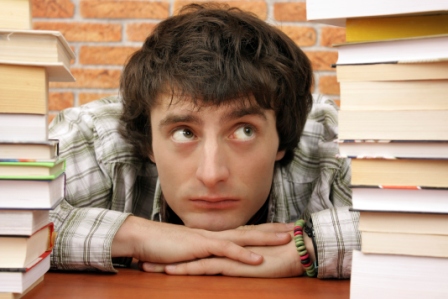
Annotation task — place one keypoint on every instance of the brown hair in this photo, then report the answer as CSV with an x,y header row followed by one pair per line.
x,y
214,55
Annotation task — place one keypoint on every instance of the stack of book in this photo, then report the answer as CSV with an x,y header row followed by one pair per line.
x,y
32,179
393,124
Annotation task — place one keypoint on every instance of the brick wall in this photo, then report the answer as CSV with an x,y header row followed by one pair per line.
x,y
103,33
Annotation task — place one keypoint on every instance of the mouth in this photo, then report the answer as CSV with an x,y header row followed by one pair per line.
x,y
214,203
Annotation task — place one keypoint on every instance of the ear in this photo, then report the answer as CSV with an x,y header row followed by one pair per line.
x,y
151,156
280,155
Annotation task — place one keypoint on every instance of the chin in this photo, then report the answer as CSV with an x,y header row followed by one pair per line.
x,y
213,224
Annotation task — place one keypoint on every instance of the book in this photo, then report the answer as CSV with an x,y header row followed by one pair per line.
x,y
388,199
31,169
19,253
392,27
11,295
398,276
404,244
335,12
38,48
400,172
31,194
392,71
23,89
392,149
404,222
416,49
394,95
393,124
44,150
19,127
19,282
22,222
16,14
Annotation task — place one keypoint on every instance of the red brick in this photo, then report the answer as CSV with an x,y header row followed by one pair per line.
x,y
290,11
138,32
91,78
85,98
332,35
124,9
60,100
52,8
302,36
257,7
117,55
329,85
84,32
322,60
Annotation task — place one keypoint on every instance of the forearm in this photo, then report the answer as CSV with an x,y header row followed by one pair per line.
x,y
84,238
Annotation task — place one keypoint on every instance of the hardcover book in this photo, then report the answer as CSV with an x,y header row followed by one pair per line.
x,y
31,169
44,150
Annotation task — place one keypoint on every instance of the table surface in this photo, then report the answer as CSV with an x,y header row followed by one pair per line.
x,y
133,283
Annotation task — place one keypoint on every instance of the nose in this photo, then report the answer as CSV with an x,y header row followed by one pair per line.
x,y
212,167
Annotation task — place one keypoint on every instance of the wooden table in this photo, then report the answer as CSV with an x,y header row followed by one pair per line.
x,y
132,283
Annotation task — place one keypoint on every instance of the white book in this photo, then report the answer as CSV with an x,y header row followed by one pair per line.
x,y
19,127
335,12
31,194
398,276
19,282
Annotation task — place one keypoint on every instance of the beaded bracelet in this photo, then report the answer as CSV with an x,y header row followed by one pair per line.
x,y
301,249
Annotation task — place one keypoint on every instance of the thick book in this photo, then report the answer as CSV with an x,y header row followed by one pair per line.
x,y
394,95
335,12
19,253
44,150
403,26
23,89
19,282
23,222
392,71
38,48
400,172
404,222
398,276
400,199
20,127
31,169
417,49
405,244
393,149
393,124
15,14
15,295
31,194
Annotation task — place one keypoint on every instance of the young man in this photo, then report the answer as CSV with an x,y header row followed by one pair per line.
x,y
197,168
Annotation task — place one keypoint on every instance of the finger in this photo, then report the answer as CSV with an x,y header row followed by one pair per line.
x,y
223,266
152,267
224,248
270,227
251,237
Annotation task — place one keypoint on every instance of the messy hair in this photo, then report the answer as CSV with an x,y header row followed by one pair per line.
x,y
215,55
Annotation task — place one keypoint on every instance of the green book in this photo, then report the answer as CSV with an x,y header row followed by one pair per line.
x,y
31,169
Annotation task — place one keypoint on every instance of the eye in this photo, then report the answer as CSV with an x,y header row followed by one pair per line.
x,y
243,133
182,135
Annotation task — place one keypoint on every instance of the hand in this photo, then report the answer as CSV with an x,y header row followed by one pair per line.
x,y
163,243
279,261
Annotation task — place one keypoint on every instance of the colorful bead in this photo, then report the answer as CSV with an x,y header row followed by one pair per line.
x,y
301,249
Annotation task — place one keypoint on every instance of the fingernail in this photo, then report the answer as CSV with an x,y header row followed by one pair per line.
x,y
255,257
290,225
281,235
148,267
170,268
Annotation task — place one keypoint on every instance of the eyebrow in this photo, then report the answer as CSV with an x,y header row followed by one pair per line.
x,y
190,118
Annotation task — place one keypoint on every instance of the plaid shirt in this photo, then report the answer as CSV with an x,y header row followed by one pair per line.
x,y
106,183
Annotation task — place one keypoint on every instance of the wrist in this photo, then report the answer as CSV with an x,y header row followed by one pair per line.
x,y
123,244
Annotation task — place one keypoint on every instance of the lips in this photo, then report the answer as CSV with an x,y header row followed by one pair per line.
x,y
214,202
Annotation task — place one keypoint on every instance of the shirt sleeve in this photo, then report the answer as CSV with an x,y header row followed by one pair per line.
x,y
335,226
94,206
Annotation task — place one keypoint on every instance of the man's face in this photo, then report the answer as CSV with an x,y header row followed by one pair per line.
x,y
215,164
